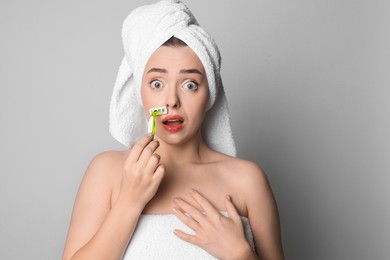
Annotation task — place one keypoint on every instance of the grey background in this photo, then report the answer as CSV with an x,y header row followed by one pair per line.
x,y
308,85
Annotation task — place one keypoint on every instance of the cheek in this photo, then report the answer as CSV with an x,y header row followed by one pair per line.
x,y
204,99
144,96
199,105
146,99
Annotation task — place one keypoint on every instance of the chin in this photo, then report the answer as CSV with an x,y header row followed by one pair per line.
x,y
178,139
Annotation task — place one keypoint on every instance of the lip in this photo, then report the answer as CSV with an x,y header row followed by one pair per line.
x,y
173,128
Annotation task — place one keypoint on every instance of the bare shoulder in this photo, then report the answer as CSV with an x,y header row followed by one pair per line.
x,y
245,180
105,169
108,160
244,172
106,163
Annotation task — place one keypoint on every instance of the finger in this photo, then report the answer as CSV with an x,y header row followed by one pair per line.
x,y
152,164
189,209
186,237
159,173
193,202
204,203
231,209
147,152
188,220
156,178
137,149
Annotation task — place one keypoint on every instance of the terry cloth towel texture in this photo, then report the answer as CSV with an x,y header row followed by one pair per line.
x,y
153,238
144,30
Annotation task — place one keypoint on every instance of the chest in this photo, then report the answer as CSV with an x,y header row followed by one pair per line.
x,y
213,184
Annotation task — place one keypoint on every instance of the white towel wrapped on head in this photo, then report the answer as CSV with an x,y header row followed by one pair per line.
x,y
144,30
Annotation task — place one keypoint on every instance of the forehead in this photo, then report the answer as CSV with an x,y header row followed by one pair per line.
x,y
174,58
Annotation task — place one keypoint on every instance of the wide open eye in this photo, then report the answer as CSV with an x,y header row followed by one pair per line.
x,y
190,85
156,84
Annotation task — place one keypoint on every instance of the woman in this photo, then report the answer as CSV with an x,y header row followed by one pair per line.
x,y
181,195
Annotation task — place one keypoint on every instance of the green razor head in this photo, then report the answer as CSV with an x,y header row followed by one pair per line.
x,y
158,111
154,112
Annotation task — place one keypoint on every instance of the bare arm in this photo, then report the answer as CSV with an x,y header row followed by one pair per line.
x,y
263,215
99,231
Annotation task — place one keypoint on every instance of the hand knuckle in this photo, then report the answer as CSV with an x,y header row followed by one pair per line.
x,y
148,150
139,145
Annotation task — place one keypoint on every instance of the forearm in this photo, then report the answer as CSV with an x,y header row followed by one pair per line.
x,y
112,238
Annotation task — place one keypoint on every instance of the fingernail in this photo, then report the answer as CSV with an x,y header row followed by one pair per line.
x,y
174,210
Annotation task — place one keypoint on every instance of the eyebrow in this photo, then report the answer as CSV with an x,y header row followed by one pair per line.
x,y
191,71
158,70
185,71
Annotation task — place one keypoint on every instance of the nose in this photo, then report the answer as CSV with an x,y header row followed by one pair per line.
x,y
172,98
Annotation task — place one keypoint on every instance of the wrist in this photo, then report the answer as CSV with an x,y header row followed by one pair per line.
x,y
128,205
245,252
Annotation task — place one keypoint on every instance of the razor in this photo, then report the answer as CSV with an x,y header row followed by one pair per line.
x,y
154,112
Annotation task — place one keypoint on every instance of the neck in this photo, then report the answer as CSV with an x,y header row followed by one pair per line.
x,y
192,151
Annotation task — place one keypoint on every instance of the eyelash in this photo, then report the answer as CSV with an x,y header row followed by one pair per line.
x,y
155,80
185,83
193,82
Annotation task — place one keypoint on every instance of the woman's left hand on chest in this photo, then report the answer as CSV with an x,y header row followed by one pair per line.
x,y
221,236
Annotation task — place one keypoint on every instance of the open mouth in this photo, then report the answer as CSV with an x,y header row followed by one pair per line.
x,y
173,123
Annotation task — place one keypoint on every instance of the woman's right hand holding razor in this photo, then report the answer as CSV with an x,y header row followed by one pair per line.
x,y
142,173
101,230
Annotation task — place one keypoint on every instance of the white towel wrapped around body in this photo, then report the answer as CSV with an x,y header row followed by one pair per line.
x,y
153,238
143,31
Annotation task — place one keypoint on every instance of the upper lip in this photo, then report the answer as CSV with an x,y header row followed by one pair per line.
x,y
172,118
